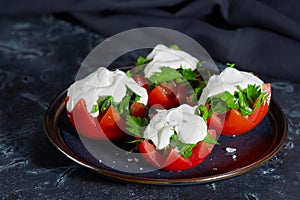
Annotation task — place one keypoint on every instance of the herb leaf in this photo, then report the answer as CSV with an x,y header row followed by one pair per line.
x,y
128,73
209,139
175,47
141,61
136,125
232,65
123,107
204,112
244,107
189,74
95,108
245,100
104,104
222,102
166,74
185,150
255,95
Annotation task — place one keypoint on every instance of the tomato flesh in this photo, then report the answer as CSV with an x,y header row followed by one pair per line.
x,y
162,96
138,110
233,123
175,161
169,96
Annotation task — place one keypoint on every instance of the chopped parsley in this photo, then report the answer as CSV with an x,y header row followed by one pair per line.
x,y
210,140
104,104
232,65
141,61
204,112
182,76
245,100
189,74
95,109
123,107
166,74
184,149
136,125
175,47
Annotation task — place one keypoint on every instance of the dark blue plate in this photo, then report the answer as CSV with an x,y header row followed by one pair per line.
x,y
253,149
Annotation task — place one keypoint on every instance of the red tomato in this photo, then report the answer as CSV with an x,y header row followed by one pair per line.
x,y
233,123
105,126
169,96
175,161
138,110
162,96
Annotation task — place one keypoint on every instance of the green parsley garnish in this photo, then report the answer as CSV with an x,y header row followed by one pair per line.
x,y
123,107
182,76
175,47
189,74
128,73
210,140
232,65
104,104
141,61
136,125
95,109
204,112
166,74
245,100
184,149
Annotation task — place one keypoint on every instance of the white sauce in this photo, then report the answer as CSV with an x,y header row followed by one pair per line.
x,y
228,80
190,127
100,84
164,56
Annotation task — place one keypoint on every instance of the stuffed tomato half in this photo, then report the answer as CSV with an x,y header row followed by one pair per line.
x,y
176,139
97,104
235,102
171,77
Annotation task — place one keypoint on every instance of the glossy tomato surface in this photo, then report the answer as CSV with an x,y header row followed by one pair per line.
x,y
105,126
174,161
138,110
233,123
169,96
162,96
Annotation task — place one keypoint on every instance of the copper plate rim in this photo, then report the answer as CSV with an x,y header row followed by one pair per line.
x,y
53,133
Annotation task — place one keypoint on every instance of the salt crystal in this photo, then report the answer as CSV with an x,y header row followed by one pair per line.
x,y
234,157
230,150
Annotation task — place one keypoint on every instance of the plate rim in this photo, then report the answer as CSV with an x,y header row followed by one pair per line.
x,y
54,136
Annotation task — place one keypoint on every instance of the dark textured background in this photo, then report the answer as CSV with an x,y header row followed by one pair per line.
x,y
262,36
39,57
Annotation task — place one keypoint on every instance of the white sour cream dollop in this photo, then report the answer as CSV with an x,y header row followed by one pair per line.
x,y
228,80
164,56
100,84
190,128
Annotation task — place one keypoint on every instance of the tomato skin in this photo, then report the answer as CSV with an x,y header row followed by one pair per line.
x,y
150,154
175,161
233,123
104,127
138,110
169,96
162,96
